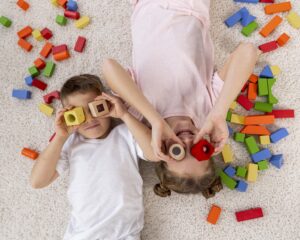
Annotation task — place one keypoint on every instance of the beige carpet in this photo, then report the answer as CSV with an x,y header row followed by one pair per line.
x,y
27,214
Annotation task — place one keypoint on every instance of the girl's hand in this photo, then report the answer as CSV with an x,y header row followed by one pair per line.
x,y
117,108
61,129
161,132
216,127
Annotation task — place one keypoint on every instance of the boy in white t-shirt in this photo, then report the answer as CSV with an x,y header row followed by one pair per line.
x,y
105,187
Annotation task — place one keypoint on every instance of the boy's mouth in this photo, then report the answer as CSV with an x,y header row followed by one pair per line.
x,y
92,126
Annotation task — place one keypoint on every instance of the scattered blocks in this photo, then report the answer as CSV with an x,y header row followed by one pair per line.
x,y
226,180
46,50
241,172
283,113
39,84
255,130
264,139
268,47
278,135
259,119
37,35
241,186
82,22
237,119
33,71
277,160
283,39
263,165
249,214
49,69
263,87
261,155
244,102
177,152
80,44
46,33
30,153
74,117
294,19
227,154
239,137
230,171
39,63
202,150
25,32
278,7
21,94
50,96
24,44
23,5
46,109
263,107
270,27
214,214
251,145
6,22
61,20
252,172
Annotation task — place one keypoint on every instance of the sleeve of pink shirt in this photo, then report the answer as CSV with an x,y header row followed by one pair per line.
x,y
215,87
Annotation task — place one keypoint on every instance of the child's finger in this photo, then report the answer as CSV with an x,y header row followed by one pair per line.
x,y
199,136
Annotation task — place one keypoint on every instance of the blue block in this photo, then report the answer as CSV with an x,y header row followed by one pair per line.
x,y
21,94
261,155
28,80
246,20
278,135
230,171
234,19
277,160
247,1
230,130
241,186
72,6
266,72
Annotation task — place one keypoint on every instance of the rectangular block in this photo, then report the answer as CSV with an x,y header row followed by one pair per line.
x,y
259,119
249,214
61,56
263,107
227,154
294,19
264,139
61,20
262,87
239,137
252,172
283,113
27,152
226,180
25,45
82,22
25,32
263,165
241,172
283,39
271,98
268,47
46,50
39,63
233,19
6,22
49,69
21,94
270,26
249,29
46,33
251,145
278,7
261,155
233,105
37,35
255,130
252,91
33,71
46,109
230,171
39,84
214,214
244,102
80,44
237,119
278,135
253,78
23,5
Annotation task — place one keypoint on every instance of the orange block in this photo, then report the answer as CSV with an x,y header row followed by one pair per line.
x,y
270,27
283,39
253,78
46,50
22,4
278,7
29,153
62,2
252,91
255,130
214,214
61,56
39,63
259,119
25,32
24,44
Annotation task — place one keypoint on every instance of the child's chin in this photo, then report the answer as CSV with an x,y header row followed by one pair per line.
x,y
94,134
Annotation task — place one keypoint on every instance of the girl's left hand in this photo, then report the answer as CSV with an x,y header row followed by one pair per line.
x,y
216,127
117,108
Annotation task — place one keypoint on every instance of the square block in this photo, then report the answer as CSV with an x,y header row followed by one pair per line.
x,y
263,165
241,172
230,171
74,117
99,108
264,140
227,154
239,137
33,71
61,20
241,186
237,119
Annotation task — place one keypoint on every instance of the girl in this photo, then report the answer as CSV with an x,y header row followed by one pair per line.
x,y
172,84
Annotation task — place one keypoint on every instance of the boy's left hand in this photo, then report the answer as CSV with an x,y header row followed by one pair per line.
x,y
117,108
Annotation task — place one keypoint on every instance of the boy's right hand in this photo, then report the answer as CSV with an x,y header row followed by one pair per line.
x,y
61,129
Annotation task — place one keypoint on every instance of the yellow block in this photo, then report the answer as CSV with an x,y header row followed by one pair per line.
x,y
227,154
264,140
252,172
54,2
37,35
46,109
294,19
74,116
237,119
82,22
275,70
233,105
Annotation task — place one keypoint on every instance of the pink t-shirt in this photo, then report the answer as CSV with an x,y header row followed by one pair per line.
x,y
173,57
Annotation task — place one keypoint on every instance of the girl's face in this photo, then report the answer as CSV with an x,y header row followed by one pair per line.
x,y
184,128
92,127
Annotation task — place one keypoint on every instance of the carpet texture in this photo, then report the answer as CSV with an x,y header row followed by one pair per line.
x,y
27,214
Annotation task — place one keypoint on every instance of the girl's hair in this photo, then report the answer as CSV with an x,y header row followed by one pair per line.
x,y
82,83
208,185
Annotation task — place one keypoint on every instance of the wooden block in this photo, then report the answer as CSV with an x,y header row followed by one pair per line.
x,y
278,135
226,180
252,91
23,4
21,94
271,98
59,48
46,33
251,145
54,3
25,32
202,150
39,63
37,35
255,130
259,119
253,78
46,50
24,44
50,96
252,172
61,56
263,107
283,113
214,214
80,44
239,137
261,155
262,87
46,109
263,165
249,29
275,70
294,19
241,186
49,69
244,87
277,160
39,84
74,117
61,20
264,139
228,116
34,72
233,105
283,39
237,119
270,26
268,47
244,102
241,171
62,3
82,22
6,22
227,154
71,14
30,153
176,151
278,7
98,108
249,214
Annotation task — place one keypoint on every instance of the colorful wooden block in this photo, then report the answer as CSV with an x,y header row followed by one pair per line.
x,y
278,7
227,154
59,49
176,151
52,137
54,3
241,186
283,113
230,130
271,98
25,32
233,105
24,44
268,47
244,102
23,5
6,22
228,116
294,19
230,171
251,145
244,88
62,3
28,80
249,29
21,94
39,63
49,69
72,6
253,78
46,33
283,39
82,22
71,14
237,119
255,130
239,137
275,70
98,108
266,72
46,50
277,160
80,44
233,19
252,172
278,135
61,56
247,18
37,35
259,119
46,109
241,172
270,26
249,214
27,152
263,107
39,84
202,150
264,139
252,91
33,71
261,155
263,165
61,20
214,214
263,87
226,180
50,96
74,117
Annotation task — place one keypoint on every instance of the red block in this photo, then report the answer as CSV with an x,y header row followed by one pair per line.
x,y
245,87
268,47
249,214
245,102
73,15
39,63
39,84
202,150
50,96
46,33
266,1
59,49
283,113
80,43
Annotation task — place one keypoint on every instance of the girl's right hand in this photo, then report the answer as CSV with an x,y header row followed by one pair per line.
x,y
61,129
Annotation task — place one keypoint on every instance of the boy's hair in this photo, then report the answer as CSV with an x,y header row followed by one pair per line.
x,y
208,185
82,84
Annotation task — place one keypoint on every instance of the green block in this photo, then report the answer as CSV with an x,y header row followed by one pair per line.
x,y
239,137
271,98
263,165
49,69
6,22
34,72
263,107
61,20
250,28
251,145
241,172
263,87
228,117
228,181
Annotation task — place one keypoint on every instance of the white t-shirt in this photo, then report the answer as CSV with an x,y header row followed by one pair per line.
x,y
105,188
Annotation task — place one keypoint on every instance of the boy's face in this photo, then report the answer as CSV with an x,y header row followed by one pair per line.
x,y
92,127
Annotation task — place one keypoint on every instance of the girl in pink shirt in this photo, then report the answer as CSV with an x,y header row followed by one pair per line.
x,y
172,85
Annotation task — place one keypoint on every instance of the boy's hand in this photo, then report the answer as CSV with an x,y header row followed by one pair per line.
x,y
117,108
215,126
61,129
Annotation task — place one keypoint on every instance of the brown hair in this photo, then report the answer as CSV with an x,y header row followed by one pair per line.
x,y
208,185
82,83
